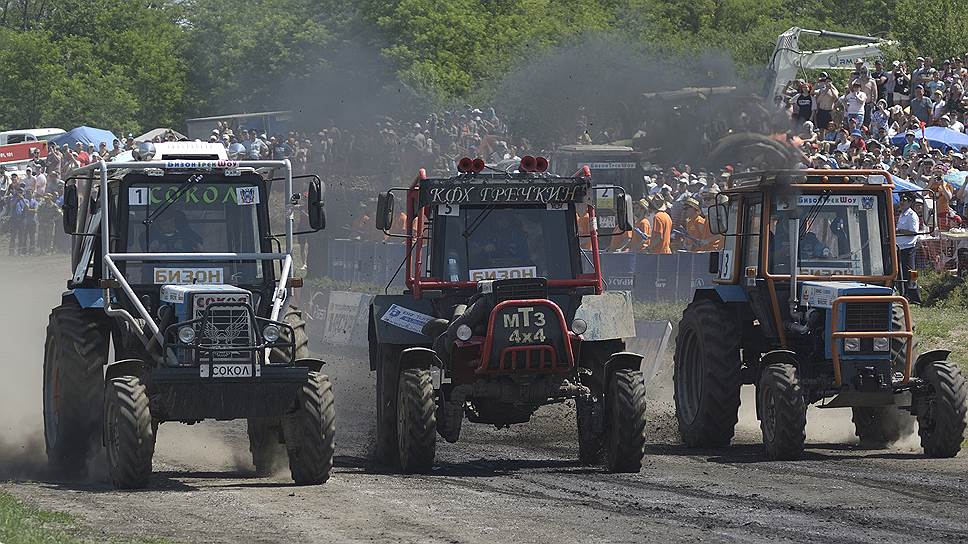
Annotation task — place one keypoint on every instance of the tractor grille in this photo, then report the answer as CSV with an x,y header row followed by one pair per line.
x,y
520,289
227,327
867,316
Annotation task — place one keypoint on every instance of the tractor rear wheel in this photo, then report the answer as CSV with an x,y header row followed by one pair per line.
x,y
783,412
707,374
625,422
416,421
942,424
265,444
310,431
75,351
267,451
590,423
878,427
128,432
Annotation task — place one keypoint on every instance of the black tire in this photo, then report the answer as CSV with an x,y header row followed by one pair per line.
x,y
941,426
625,421
706,378
75,351
751,150
416,421
878,427
294,318
265,445
387,378
310,432
267,452
783,412
129,433
590,423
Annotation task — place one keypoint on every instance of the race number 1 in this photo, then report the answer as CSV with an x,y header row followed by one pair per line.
x,y
137,196
452,210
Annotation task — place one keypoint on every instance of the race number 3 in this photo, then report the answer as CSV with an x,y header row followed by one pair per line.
x,y
137,196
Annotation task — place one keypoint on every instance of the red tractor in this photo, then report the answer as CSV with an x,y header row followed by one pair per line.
x,y
503,313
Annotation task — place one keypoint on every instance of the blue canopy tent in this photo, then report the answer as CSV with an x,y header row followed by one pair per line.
x,y
956,179
939,137
902,186
86,136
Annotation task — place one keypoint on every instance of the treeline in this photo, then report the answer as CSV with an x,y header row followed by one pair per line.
x,y
132,64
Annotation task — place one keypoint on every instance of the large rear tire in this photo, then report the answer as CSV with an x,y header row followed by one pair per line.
x,y
267,451
625,422
878,427
128,432
783,412
942,424
310,432
416,421
75,351
706,378
590,422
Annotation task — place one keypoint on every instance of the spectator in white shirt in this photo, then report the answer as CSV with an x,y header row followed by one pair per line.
x,y
908,227
854,102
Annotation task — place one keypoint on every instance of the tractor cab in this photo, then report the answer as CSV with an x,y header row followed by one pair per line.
x,y
503,309
805,294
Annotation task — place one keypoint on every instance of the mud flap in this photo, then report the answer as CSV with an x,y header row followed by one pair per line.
x,y
651,338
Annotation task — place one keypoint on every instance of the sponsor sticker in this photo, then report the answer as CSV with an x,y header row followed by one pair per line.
x,y
607,222
188,276
246,196
200,302
480,274
405,318
225,371
610,165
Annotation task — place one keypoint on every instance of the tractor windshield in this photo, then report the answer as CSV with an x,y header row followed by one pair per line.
x,y
194,216
484,242
840,235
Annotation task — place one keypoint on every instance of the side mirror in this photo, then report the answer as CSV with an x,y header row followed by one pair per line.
x,y
623,211
70,209
718,218
317,217
384,211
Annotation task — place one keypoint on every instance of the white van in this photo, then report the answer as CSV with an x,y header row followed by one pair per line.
x,y
29,135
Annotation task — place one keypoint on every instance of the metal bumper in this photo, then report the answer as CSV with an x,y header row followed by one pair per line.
x,y
179,394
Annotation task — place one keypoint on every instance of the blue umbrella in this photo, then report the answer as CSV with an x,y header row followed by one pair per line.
x,y
86,136
939,137
902,185
956,178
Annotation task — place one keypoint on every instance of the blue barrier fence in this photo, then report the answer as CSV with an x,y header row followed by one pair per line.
x,y
650,278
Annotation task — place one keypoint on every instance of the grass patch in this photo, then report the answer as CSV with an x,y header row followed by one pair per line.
x,y
21,523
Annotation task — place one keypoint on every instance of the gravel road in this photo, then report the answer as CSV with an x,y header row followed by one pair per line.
x,y
521,484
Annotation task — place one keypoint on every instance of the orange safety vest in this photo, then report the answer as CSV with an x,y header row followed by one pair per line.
x,y
661,234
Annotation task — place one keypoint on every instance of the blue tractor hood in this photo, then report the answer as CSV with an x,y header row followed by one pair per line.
x,y
821,294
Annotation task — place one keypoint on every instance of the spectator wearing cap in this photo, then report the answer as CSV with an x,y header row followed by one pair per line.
x,y
661,240
920,72
825,95
698,236
880,119
921,106
911,146
937,107
908,228
83,157
854,103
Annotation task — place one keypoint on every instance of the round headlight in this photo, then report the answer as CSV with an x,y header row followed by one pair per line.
x,y
882,344
270,333
464,333
579,326
145,151
852,344
186,334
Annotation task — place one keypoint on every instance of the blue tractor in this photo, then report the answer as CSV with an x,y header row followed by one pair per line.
x,y
805,308
175,267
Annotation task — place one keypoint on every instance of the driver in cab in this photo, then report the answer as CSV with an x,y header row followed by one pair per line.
x,y
170,233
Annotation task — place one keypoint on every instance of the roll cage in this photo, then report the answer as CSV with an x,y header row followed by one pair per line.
x,y
420,213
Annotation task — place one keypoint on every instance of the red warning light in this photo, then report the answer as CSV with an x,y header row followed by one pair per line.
x,y
540,164
528,164
465,165
478,165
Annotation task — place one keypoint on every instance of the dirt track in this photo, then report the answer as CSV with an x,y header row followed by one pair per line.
x,y
513,485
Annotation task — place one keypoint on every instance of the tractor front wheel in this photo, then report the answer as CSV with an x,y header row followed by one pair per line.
x,y
128,432
625,436
941,424
310,430
783,412
416,421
